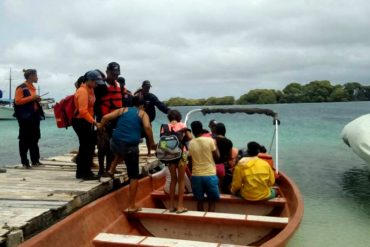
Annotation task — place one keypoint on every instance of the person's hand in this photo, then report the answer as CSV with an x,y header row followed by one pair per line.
x,y
37,98
98,125
153,146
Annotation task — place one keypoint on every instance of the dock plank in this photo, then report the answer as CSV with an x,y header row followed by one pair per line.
x,y
33,199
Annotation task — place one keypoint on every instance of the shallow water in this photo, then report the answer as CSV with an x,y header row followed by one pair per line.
x,y
335,183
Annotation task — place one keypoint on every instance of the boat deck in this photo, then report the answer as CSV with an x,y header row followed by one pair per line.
x,y
31,200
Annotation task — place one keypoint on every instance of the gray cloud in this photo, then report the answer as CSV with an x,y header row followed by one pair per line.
x,y
187,48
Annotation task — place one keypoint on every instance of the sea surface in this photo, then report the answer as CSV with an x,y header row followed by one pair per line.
x,y
335,183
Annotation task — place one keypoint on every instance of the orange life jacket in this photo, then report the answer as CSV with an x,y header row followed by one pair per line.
x,y
112,100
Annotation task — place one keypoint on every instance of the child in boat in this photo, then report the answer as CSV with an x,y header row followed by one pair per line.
x,y
202,156
165,172
177,167
253,177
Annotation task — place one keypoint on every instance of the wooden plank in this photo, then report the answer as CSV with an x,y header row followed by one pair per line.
x,y
34,199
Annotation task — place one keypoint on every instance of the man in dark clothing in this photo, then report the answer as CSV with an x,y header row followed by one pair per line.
x,y
151,101
126,94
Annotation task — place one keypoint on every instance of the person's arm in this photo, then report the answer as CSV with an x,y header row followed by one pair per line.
x,y
110,116
215,152
160,105
236,184
147,128
272,176
20,100
83,108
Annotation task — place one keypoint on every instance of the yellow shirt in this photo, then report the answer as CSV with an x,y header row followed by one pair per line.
x,y
200,151
254,178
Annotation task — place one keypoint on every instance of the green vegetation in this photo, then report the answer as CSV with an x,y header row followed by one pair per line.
x,y
314,91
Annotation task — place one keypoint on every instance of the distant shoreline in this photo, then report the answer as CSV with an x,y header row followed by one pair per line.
x,y
313,92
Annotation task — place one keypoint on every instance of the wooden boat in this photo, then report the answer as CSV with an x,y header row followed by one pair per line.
x,y
236,222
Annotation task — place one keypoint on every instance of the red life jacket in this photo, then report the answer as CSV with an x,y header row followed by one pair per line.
x,y
64,111
112,100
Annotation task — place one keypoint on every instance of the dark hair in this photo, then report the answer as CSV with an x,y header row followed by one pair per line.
x,y
196,128
28,72
253,148
174,115
263,149
79,81
121,81
220,129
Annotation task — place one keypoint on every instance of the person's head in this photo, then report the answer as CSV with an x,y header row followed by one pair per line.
x,y
30,75
79,81
263,149
220,129
174,115
196,128
145,86
121,81
212,126
138,101
92,78
113,71
253,149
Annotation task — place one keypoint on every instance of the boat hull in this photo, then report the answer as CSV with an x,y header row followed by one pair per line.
x,y
356,134
106,215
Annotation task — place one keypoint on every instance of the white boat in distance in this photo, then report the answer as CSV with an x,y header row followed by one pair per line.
x,y
356,134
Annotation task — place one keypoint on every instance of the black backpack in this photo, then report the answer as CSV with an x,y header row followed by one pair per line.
x,y
170,144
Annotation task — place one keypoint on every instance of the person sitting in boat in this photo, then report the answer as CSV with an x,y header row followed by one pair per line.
x,y
125,142
165,172
224,146
253,177
202,155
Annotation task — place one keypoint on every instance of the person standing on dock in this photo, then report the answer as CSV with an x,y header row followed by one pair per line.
x,y
83,124
28,112
150,102
108,98
131,121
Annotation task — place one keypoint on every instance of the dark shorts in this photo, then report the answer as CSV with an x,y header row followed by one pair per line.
x,y
130,154
205,185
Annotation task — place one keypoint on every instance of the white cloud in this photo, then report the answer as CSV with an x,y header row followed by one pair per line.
x,y
187,48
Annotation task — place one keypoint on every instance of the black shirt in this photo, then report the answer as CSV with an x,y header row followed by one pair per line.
x,y
151,101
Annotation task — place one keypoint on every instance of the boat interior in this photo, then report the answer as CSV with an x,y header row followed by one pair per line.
x,y
236,222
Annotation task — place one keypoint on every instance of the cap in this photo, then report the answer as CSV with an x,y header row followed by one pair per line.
x,y
146,83
94,76
114,67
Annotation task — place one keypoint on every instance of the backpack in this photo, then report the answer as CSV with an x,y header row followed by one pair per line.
x,y
169,145
64,111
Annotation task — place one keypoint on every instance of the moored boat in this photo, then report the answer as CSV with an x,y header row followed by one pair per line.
x,y
356,134
236,222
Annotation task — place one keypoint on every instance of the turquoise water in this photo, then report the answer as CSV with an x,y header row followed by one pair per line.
x,y
334,182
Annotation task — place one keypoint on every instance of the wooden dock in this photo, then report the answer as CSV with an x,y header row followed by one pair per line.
x,y
31,200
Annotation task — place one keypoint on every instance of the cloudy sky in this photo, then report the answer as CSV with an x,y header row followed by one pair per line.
x,y
186,48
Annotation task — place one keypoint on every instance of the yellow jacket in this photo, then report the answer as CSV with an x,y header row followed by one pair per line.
x,y
254,178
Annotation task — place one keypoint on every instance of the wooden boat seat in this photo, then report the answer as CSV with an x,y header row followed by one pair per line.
x,y
121,240
278,201
211,217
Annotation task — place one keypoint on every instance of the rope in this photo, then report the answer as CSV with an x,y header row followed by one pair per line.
x,y
272,142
